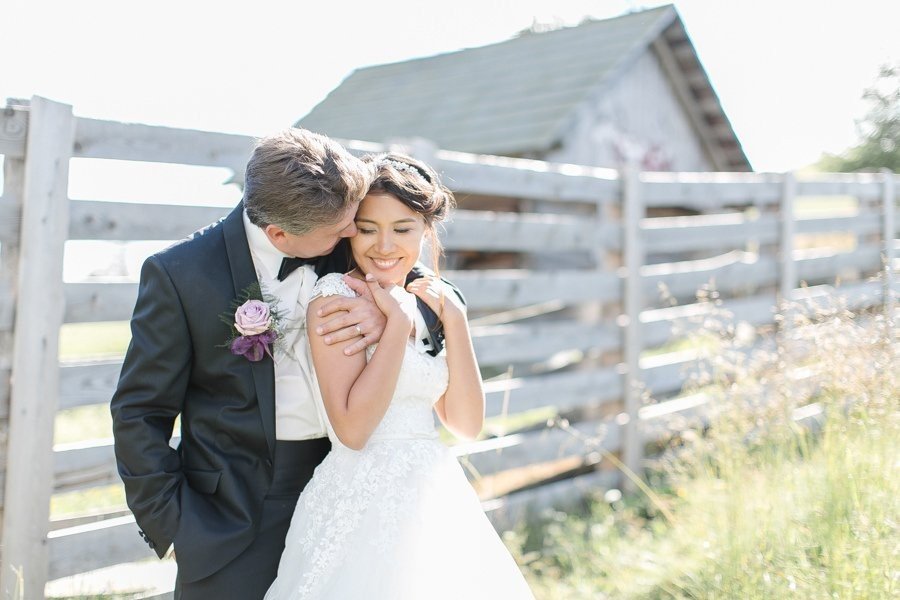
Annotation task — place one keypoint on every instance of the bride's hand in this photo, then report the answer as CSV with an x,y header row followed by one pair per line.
x,y
387,303
438,296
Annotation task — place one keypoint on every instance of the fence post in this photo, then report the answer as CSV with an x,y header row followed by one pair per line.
x,y
888,234
12,136
35,364
787,280
632,214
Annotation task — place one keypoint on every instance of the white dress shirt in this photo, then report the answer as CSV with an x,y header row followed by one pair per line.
x,y
296,414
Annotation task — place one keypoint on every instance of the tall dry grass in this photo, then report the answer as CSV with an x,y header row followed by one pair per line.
x,y
787,484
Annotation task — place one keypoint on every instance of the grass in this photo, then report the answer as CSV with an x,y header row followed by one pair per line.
x,y
761,506
82,341
82,423
815,206
89,501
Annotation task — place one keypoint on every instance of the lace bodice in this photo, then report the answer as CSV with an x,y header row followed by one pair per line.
x,y
423,379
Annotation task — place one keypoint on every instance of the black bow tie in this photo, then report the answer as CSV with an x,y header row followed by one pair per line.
x,y
289,265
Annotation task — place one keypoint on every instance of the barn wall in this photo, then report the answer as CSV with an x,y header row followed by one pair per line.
x,y
638,115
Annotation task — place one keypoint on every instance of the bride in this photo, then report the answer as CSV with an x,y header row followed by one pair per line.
x,y
389,514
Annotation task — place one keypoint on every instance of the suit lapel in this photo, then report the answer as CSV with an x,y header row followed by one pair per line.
x,y
243,275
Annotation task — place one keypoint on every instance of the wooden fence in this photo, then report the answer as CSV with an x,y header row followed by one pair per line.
x,y
573,338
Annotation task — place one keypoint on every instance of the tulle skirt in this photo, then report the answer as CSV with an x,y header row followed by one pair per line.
x,y
395,521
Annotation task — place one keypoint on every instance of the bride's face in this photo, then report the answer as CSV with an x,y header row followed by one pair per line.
x,y
389,238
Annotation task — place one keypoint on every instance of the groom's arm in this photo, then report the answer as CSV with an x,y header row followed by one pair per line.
x,y
147,400
343,315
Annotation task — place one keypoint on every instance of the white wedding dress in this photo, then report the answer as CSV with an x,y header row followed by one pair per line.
x,y
396,520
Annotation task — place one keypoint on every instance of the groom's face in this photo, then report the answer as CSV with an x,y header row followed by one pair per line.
x,y
318,242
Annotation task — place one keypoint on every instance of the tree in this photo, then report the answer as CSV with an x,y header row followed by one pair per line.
x,y
879,130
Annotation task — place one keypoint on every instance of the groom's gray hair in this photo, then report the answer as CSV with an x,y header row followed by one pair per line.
x,y
300,181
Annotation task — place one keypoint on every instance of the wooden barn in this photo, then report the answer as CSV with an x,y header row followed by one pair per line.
x,y
607,92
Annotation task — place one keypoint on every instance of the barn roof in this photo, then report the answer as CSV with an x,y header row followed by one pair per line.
x,y
516,97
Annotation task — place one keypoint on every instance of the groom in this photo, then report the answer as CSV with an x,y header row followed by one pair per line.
x,y
250,434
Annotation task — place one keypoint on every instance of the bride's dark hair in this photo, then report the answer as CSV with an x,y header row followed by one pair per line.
x,y
416,185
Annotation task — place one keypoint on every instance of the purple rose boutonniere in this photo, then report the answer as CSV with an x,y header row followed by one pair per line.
x,y
255,324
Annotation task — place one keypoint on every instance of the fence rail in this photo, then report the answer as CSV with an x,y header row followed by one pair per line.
x,y
572,312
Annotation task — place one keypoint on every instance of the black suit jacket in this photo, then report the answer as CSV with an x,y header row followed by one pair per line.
x,y
206,496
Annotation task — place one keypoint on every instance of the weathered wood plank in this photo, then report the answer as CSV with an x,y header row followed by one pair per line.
x,y
738,272
10,212
709,191
687,318
86,518
515,232
553,443
503,289
756,310
731,273
857,294
11,216
565,391
90,302
826,266
92,220
88,382
667,373
35,362
84,465
864,186
527,179
111,542
507,344
4,401
706,232
729,231
87,464
96,138
858,224
7,302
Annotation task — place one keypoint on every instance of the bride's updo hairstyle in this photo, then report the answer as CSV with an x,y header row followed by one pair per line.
x,y
416,185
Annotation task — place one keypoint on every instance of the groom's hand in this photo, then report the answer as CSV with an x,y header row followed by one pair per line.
x,y
359,319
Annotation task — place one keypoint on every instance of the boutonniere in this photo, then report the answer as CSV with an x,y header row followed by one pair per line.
x,y
255,322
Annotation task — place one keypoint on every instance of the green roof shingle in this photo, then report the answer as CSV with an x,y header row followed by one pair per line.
x,y
507,98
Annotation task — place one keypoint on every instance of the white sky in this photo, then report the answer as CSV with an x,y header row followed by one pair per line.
x,y
789,73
